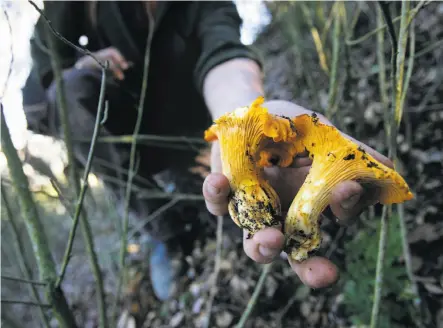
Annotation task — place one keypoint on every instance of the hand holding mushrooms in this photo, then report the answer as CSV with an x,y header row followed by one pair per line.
x,y
276,168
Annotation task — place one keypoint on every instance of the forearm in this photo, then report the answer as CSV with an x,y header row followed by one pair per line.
x,y
232,84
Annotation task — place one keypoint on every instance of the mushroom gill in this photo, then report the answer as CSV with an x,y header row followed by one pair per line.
x,y
334,159
253,203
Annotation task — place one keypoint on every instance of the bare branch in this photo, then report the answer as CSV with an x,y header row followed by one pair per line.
x,y
23,280
153,216
147,137
378,286
215,274
429,48
163,195
258,288
317,39
399,90
45,262
81,197
20,251
31,303
74,179
140,110
365,37
333,78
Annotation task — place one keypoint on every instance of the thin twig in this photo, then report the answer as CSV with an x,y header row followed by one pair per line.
x,y
122,171
129,139
399,77
152,216
11,49
258,288
382,72
25,303
84,51
416,301
215,274
407,78
166,195
316,37
378,286
81,197
333,78
393,39
36,232
25,281
85,185
74,177
399,91
410,64
432,46
61,197
20,255
141,105
363,38
371,33
327,24
429,48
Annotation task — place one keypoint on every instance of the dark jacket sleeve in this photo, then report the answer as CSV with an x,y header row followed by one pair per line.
x,y
218,29
66,18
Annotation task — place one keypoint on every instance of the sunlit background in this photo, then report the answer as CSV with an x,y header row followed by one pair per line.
x,y
16,34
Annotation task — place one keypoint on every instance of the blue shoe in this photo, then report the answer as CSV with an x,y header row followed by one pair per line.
x,y
164,269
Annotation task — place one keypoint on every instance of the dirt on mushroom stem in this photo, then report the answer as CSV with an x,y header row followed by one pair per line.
x,y
253,203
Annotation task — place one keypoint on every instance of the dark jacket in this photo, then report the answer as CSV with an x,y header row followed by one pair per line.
x,y
210,28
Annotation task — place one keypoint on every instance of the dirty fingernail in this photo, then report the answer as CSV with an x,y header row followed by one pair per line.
x,y
268,252
350,202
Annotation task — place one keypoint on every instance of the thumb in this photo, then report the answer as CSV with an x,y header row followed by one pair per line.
x,y
216,164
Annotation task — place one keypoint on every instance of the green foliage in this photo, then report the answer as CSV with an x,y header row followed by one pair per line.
x,y
359,278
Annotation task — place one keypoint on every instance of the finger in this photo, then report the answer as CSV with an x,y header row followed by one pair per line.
x,y
216,164
286,182
116,70
86,62
118,58
316,272
215,191
350,198
264,246
301,160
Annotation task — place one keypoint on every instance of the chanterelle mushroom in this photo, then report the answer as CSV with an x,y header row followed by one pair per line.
x,y
243,135
335,159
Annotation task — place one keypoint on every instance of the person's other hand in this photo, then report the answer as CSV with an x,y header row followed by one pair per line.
x,y
117,63
349,198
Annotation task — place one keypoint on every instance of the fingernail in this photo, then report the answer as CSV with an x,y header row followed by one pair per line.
x,y
350,202
268,252
214,191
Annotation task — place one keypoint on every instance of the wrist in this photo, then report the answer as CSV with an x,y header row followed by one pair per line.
x,y
232,84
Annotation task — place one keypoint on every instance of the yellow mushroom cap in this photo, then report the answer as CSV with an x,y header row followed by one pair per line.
x,y
335,159
242,135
